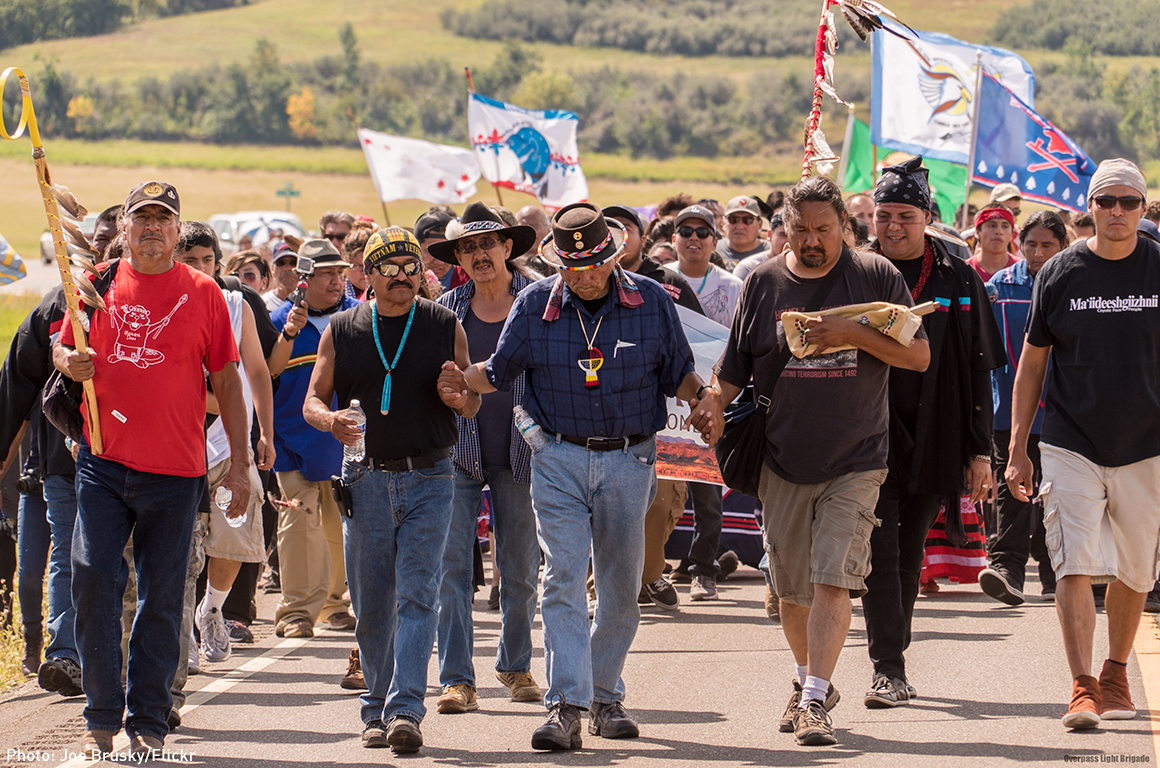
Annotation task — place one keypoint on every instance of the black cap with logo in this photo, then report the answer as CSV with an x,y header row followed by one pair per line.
x,y
153,193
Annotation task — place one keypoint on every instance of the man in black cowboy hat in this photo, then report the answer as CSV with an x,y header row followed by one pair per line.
x,y
489,453
940,432
601,350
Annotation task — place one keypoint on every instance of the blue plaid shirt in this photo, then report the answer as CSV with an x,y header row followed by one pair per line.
x,y
646,356
466,454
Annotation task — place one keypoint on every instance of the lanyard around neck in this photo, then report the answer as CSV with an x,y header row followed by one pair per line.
x,y
385,403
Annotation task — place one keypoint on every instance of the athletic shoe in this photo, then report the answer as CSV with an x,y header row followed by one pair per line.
x,y
62,675
911,693
812,726
342,621
403,736
561,730
663,594
215,638
1115,698
194,655
886,693
1086,703
353,679
786,724
374,735
703,588
728,562
457,699
239,632
999,585
772,605
522,685
1152,602
493,598
300,627
611,721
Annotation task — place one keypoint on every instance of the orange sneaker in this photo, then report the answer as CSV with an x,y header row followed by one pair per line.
x,y
1116,700
1084,710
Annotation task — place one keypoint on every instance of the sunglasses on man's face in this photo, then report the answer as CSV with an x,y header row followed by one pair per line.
x,y
702,232
468,247
410,269
1108,202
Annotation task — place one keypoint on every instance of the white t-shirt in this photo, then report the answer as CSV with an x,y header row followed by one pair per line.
x,y
717,291
217,443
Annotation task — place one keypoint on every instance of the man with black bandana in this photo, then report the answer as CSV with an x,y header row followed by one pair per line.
x,y
309,530
940,426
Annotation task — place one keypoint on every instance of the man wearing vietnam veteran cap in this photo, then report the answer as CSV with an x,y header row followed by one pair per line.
x,y
601,350
400,356
165,325
310,554
1095,312
940,446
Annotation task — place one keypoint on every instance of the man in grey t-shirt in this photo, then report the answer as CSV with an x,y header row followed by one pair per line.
x,y
742,231
826,434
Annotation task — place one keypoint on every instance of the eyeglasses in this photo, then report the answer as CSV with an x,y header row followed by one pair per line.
x,y
334,238
1108,202
484,243
702,232
745,221
410,269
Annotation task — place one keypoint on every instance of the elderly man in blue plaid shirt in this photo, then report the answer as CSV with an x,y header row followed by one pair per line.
x,y
601,350
489,453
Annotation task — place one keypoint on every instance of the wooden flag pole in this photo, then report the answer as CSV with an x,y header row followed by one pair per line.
x,y
471,89
44,180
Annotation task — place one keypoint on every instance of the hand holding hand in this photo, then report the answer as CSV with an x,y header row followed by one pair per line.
x,y
453,389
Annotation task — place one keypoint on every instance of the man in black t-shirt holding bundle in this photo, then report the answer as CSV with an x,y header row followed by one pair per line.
x,y
396,355
1096,311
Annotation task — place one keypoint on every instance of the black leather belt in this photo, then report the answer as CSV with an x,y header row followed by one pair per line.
x,y
605,443
426,461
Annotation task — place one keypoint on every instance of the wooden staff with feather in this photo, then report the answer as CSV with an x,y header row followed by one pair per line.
x,y
78,251
865,16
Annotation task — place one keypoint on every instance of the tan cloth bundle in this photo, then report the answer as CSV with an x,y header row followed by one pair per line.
x,y
896,321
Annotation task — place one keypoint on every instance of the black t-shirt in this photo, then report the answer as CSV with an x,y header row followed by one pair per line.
x,y
418,422
905,385
1101,319
494,419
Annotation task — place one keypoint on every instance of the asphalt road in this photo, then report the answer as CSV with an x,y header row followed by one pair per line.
x,y
707,684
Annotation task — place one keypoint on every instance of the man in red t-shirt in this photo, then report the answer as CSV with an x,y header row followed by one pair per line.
x,y
164,325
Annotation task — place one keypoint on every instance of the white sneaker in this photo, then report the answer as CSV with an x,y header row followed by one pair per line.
x,y
194,655
215,636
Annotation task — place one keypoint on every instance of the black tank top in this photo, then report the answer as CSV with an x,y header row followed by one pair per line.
x,y
418,421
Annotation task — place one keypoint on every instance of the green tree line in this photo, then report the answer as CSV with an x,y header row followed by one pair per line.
x,y
29,21
1110,27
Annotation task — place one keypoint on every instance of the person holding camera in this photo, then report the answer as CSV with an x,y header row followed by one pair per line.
x,y
401,357
313,569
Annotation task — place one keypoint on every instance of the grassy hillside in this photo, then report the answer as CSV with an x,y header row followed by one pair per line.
x,y
397,32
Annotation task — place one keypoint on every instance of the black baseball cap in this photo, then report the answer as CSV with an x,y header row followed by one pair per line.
x,y
152,193
432,224
625,212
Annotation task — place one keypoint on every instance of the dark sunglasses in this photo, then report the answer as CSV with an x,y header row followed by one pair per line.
x,y
484,243
334,238
410,269
702,232
1108,202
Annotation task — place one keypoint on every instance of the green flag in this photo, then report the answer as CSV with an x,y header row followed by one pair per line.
x,y
947,180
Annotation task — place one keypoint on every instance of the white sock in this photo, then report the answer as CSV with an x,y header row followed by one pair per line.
x,y
802,671
814,689
214,598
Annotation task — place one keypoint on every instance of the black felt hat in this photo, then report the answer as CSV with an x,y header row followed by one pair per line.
x,y
582,237
477,218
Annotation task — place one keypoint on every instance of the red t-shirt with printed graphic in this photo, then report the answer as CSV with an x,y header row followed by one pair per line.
x,y
153,346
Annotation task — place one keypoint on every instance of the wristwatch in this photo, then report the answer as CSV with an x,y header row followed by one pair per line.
x,y
703,387
288,337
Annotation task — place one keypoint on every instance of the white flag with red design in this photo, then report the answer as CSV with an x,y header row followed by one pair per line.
x,y
413,169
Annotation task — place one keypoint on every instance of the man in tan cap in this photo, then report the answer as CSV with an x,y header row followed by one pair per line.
x,y
742,231
1095,311
1008,196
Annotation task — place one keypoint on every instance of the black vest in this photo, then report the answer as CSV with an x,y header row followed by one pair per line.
x,y
418,421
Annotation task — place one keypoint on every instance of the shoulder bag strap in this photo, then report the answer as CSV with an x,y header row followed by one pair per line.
x,y
813,305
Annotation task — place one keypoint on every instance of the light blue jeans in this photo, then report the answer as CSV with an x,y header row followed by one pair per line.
x,y
60,494
393,544
591,501
518,557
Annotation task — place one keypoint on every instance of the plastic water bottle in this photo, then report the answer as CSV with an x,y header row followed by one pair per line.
x,y
532,432
222,498
357,451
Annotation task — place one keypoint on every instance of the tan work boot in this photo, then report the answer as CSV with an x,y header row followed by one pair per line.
x,y
522,685
457,699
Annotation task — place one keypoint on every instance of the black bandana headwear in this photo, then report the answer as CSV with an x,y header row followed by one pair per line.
x,y
905,183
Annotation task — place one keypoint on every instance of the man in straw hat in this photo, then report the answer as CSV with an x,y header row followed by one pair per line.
x,y
601,349
399,356
164,325
1094,312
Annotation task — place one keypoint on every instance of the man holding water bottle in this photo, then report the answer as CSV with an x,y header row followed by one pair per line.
x,y
401,357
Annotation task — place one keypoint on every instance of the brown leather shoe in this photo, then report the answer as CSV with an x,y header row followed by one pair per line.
x,y
772,604
343,621
1086,703
353,679
1116,700
99,742
299,627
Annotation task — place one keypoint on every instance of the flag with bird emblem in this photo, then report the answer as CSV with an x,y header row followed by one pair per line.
x,y
924,91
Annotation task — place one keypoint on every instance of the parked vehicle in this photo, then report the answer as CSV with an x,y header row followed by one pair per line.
x,y
48,252
259,226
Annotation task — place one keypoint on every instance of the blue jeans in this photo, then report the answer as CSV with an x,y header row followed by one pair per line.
x,y
393,544
33,544
60,493
517,556
591,501
115,502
